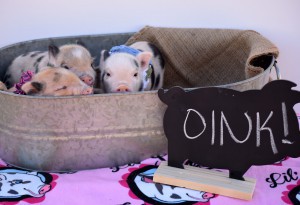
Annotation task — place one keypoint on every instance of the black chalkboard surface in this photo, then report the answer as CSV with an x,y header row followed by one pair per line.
x,y
228,129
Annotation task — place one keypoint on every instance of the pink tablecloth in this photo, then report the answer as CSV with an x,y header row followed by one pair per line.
x,y
132,184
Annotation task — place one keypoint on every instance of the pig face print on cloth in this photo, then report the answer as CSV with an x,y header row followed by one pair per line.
x,y
140,182
17,184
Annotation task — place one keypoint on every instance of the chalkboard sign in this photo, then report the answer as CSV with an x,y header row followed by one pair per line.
x,y
228,129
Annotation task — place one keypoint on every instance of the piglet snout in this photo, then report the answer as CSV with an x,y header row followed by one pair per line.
x,y
208,196
87,91
87,79
44,189
122,88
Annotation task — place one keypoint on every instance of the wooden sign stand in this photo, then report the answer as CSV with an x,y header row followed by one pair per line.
x,y
205,180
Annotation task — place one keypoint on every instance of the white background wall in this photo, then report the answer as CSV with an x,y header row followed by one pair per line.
x,y
277,20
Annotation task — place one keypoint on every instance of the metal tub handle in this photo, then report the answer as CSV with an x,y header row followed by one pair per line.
x,y
277,70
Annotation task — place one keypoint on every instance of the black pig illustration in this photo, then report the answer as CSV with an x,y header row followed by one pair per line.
x,y
228,129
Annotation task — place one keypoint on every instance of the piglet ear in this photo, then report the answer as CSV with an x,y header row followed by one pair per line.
x,y
53,50
80,42
32,173
32,88
103,56
144,59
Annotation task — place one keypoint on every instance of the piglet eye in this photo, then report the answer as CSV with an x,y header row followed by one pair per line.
x,y
135,75
108,74
65,66
62,88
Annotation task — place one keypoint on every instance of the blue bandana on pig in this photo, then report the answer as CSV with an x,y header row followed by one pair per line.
x,y
134,52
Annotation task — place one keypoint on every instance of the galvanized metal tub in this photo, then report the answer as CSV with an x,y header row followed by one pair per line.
x,y
84,132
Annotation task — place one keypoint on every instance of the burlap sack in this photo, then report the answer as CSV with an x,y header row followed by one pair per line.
x,y
197,57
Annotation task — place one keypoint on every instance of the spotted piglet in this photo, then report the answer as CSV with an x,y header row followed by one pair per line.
x,y
56,82
72,57
2,86
138,67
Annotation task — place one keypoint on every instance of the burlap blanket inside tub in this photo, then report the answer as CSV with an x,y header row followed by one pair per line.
x,y
197,57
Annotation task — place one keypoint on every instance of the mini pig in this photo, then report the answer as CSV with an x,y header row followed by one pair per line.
x,y
2,86
56,82
139,67
72,57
